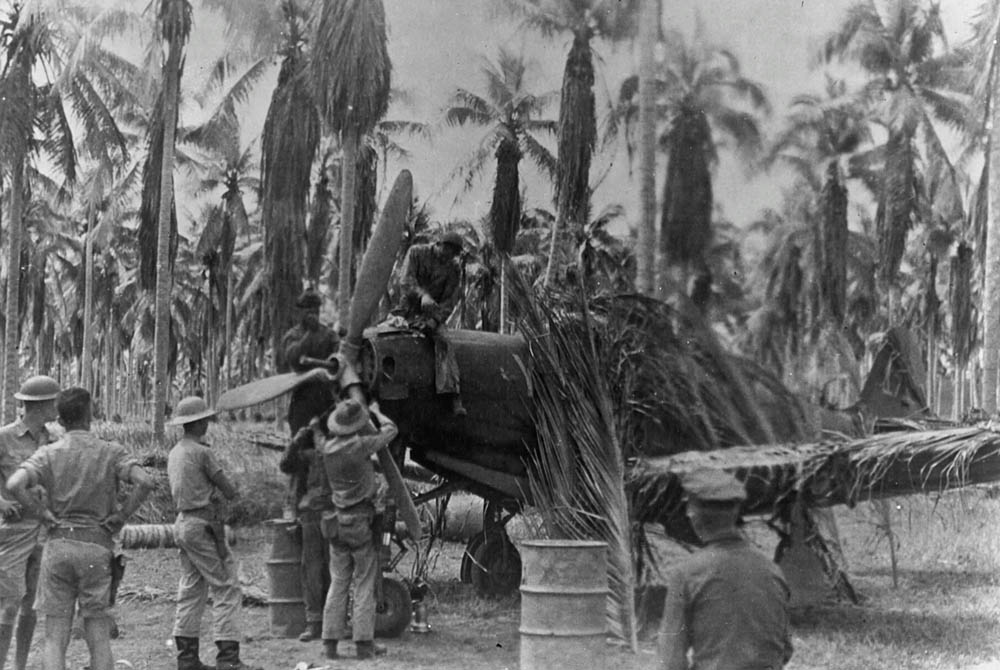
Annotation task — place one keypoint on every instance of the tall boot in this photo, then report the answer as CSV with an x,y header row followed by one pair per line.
x,y
6,635
25,631
187,654
228,656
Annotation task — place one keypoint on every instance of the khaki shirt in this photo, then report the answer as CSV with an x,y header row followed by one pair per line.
x,y
17,443
195,474
728,604
81,473
348,464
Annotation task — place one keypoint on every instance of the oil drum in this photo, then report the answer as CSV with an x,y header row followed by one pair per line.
x,y
284,597
564,596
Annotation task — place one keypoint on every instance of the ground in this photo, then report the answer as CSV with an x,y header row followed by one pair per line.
x,y
945,612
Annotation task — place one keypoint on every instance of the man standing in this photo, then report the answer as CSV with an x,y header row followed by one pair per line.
x,y
348,463
431,286
727,604
304,462
206,563
80,474
308,339
20,545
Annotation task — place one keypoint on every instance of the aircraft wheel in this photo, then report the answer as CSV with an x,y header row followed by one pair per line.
x,y
471,547
394,609
496,566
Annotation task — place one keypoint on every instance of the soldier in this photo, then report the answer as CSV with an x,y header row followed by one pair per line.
x,y
310,339
206,563
304,462
80,474
431,286
347,460
20,544
727,604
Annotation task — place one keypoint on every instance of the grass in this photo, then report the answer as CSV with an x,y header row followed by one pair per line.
x,y
263,488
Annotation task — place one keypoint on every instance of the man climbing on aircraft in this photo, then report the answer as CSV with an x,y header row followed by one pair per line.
x,y
431,286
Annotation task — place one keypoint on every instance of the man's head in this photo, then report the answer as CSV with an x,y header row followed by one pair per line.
x,y
713,501
450,245
38,394
349,417
308,306
74,408
193,413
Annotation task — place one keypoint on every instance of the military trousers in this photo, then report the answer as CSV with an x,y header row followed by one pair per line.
x,y
315,566
361,563
206,565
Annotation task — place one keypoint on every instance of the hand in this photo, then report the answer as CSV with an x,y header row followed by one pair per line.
x,y
322,375
49,519
374,408
113,523
427,302
10,509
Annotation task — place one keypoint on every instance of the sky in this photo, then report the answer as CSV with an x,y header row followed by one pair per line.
x,y
437,46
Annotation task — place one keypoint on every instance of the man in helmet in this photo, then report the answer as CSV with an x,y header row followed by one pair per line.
x,y
207,565
431,286
20,546
81,474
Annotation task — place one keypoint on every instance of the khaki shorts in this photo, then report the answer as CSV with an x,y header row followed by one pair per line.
x,y
74,572
17,543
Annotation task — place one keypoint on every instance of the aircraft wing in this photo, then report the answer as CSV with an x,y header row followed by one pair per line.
x,y
828,473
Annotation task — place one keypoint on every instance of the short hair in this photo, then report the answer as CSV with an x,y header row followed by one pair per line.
x,y
73,405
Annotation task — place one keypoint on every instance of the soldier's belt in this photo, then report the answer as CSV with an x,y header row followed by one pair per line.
x,y
89,534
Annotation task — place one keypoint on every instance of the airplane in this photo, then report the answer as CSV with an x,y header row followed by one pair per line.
x,y
484,452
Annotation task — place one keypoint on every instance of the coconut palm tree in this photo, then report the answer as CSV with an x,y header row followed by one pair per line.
x,y
577,131
290,137
911,85
67,46
510,114
820,134
650,13
350,73
705,96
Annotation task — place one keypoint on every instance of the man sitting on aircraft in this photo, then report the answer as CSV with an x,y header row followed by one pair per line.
x,y
431,286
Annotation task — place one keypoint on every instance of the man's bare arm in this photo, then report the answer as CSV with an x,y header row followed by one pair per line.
x,y
18,485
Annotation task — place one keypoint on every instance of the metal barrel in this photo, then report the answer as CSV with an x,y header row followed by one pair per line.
x,y
284,598
564,595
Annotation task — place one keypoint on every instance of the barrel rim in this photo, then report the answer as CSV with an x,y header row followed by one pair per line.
x,y
565,544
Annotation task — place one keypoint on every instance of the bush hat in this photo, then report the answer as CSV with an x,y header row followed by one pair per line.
x,y
189,410
713,486
37,388
309,300
349,417
453,239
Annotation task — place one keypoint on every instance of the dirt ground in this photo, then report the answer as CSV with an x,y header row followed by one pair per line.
x,y
467,632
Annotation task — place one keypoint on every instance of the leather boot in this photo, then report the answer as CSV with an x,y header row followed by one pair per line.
x,y
312,632
368,649
6,635
228,656
330,649
187,654
25,631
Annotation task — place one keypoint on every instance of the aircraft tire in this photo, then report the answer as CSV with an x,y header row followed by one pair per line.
x,y
495,566
471,547
394,610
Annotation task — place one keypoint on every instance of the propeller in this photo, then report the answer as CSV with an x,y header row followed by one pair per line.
x,y
376,269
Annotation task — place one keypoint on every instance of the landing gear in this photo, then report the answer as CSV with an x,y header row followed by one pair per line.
x,y
491,562
392,608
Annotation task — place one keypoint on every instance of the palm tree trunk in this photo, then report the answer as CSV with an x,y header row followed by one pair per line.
x,y
649,29
11,349
164,278
991,293
229,328
87,355
348,179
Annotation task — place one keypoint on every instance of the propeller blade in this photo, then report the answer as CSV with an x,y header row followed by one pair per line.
x,y
259,391
376,266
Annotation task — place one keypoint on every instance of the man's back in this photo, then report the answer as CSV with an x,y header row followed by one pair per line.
x,y
81,473
732,602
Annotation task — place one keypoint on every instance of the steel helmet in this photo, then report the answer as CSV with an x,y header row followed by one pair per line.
x,y
37,388
189,410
